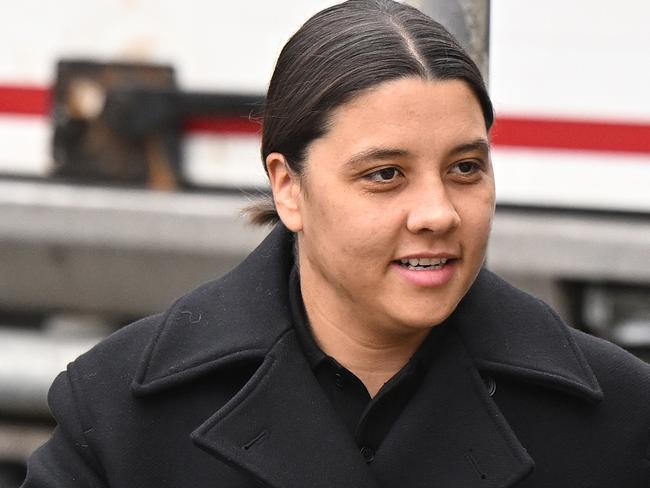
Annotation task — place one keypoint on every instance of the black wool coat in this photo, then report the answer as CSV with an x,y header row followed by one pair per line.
x,y
216,392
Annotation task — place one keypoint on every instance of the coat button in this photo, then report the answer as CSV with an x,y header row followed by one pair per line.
x,y
339,380
368,454
490,385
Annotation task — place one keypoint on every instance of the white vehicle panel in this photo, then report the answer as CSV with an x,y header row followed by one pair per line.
x,y
584,60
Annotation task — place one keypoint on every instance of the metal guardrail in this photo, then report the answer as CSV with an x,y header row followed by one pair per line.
x,y
114,251
75,215
565,246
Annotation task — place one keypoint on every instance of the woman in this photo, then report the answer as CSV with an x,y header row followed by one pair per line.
x,y
362,344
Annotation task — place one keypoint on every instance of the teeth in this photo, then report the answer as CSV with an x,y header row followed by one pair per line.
x,y
423,261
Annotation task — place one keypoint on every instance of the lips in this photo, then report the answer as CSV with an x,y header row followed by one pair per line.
x,y
427,269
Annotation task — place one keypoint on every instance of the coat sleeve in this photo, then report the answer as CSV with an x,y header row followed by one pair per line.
x,y
66,459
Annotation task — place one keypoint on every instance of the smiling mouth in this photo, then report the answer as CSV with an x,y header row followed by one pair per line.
x,y
423,264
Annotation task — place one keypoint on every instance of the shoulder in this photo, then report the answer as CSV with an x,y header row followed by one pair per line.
x,y
95,391
118,355
113,363
102,375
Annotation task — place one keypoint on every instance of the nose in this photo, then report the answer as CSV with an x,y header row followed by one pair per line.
x,y
432,210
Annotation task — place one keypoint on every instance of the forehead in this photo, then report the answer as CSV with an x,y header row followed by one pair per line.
x,y
421,114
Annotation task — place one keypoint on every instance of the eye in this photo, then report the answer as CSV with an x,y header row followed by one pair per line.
x,y
467,169
384,175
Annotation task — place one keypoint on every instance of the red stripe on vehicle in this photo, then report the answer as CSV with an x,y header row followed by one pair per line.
x,y
24,100
535,133
222,125
571,134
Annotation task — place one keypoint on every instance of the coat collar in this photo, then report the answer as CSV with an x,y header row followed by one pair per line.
x,y
234,319
240,316
509,332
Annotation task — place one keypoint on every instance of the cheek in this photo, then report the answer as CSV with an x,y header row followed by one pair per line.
x,y
349,240
354,221
326,227
476,216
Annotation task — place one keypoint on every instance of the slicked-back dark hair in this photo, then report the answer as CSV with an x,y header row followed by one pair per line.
x,y
342,51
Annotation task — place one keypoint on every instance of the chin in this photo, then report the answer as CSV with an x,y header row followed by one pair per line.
x,y
423,320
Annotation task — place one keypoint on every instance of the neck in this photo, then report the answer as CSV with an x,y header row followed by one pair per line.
x,y
372,353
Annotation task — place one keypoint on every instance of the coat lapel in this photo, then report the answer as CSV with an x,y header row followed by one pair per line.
x,y
510,333
281,428
451,432
234,319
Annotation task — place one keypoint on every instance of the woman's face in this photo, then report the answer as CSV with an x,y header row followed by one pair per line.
x,y
394,209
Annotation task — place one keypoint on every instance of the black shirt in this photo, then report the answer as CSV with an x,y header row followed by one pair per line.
x,y
367,419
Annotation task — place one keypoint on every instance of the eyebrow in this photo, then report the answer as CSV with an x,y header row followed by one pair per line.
x,y
480,144
374,154
384,153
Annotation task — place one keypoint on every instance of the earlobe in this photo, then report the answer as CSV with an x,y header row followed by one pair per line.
x,y
285,185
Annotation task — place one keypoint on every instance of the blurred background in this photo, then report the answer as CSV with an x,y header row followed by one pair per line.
x,y
129,145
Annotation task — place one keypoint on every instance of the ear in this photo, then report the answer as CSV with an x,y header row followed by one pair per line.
x,y
285,185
